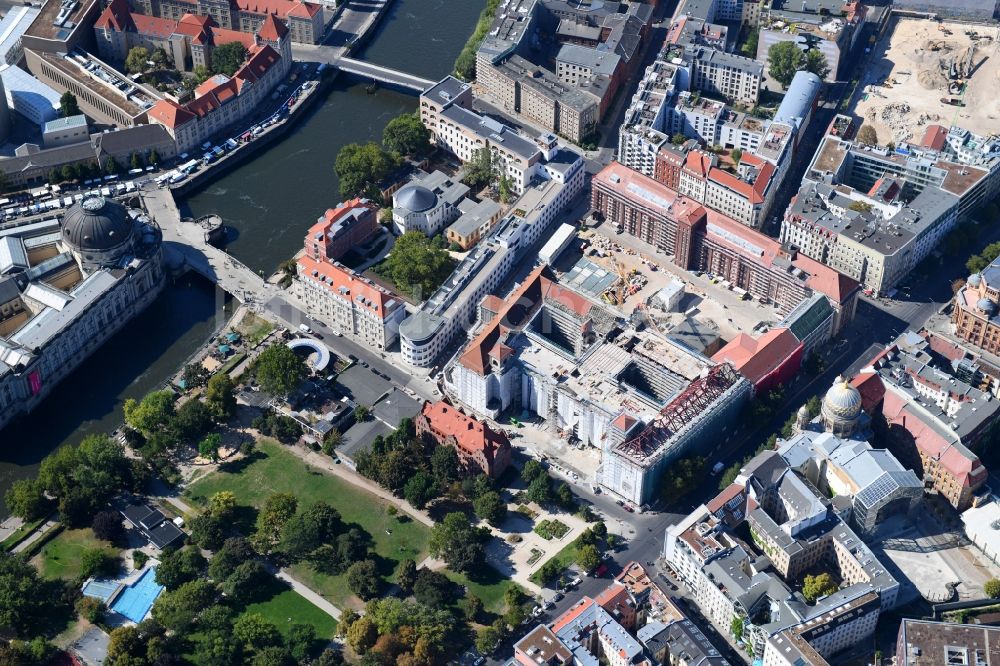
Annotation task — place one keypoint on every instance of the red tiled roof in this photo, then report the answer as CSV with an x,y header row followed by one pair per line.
x,y
272,29
720,500
222,36
827,281
572,300
570,615
698,163
753,192
872,390
348,285
755,359
492,303
471,435
624,421
153,25
282,8
934,137
115,16
170,114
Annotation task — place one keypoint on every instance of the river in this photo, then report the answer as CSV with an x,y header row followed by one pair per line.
x,y
269,202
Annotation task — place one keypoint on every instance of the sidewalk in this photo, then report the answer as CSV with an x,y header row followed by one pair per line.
x,y
313,597
35,536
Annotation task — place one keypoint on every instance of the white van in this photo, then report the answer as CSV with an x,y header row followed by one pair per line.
x,y
305,329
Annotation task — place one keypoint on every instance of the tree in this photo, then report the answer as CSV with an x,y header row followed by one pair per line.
x,y
279,370
222,504
68,105
749,47
821,585
209,447
152,414
154,157
480,170
564,496
549,571
159,58
736,628
433,588
361,413
26,601
540,490
234,551
406,135
784,59
220,397
191,421
420,489
307,530
678,139
491,508
867,135
407,576
416,266
177,610
445,466
681,478
26,499
228,58
473,607
90,609
247,582
362,634
69,172
277,510
489,637
300,641
135,61
208,531
178,567
363,579
816,63
736,154
588,557
992,588
255,632
195,374
361,167
459,543
107,526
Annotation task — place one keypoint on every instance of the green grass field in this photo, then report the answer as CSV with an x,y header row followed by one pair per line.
x,y
60,558
287,607
489,587
274,470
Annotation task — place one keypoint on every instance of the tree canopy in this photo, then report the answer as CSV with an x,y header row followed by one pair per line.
x,y
459,543
417,266
68,105
361,167
228,58
136,60
816,63
820,585
406,135
279,370
784,59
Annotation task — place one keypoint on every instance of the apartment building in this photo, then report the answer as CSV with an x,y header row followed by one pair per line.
x,y
341,229
725,75
304,20
832,27
223,101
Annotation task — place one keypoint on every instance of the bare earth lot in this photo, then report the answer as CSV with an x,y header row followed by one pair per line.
x,y
910,71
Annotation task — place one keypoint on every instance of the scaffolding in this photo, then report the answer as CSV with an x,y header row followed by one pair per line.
x,y
693,401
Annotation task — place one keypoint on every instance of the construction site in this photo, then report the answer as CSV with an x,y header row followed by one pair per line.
x,y
925,72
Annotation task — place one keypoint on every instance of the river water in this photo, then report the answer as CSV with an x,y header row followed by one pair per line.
x,y
269,202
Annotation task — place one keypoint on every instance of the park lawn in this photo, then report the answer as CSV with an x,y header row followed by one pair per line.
x,y
60,557
287,607
489,586
565,557
277,470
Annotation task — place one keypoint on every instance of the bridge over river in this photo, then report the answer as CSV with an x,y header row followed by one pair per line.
x,y
366,71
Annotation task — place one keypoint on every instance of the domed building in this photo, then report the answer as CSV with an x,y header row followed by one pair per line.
x,y
841,409
79,281
976,307
429,203
98,232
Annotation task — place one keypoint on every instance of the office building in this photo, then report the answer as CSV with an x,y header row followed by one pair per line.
x,y
831,27
28,96
12,28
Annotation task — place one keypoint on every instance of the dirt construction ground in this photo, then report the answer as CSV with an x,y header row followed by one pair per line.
x,y
910,70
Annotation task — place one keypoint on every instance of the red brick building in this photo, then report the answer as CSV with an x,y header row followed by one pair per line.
x,y
480,449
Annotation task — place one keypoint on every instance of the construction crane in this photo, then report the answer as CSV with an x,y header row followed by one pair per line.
x,y
622,286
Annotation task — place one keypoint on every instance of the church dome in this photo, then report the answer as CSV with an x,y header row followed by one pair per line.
x,y
96,224
842,400
974,280
415,198
986,305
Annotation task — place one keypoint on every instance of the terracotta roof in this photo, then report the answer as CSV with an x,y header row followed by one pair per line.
x,y
872,390
492,303
115,16
755,359
569,616
282,8
578,304
827,281
153,25
698,163
259,63
624,421
471,435
169,114
272,29
476,354
934,137
753,192
222,36
719,501
349,286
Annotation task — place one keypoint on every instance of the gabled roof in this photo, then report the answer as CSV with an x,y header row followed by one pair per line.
x,y
116,16
272,29
755,359
471,436
349,286
170,114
